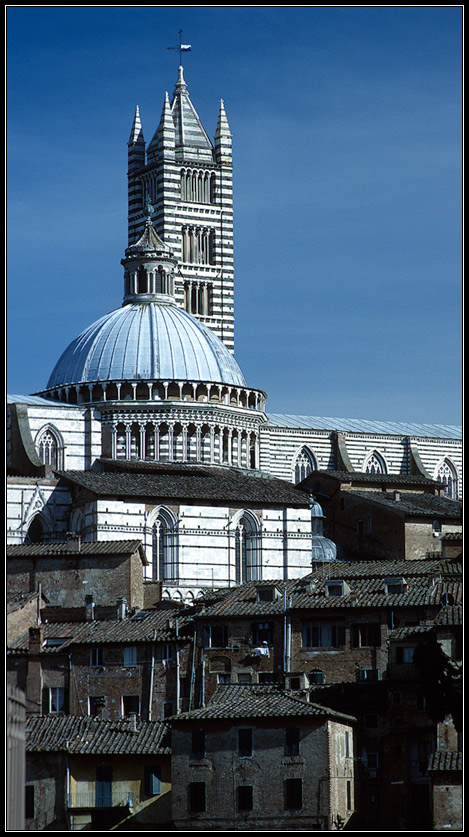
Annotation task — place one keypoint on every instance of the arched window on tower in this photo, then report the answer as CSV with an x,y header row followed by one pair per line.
x,y
164,547
49,446
304,465
448,475
375,464
247,549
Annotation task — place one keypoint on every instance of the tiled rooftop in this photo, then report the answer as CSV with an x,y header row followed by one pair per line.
x,y
212,484
445,760
243,702
145,626
413,503
87,735
426,585
59,549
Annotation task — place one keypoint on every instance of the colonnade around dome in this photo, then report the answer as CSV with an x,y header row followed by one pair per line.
x,y
160,391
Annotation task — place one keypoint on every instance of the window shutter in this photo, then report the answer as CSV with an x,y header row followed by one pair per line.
x,y
45,700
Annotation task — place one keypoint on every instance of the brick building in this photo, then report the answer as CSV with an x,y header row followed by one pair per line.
x,y
83,772
259,757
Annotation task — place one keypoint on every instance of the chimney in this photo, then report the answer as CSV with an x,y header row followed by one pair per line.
x,y
73,542
121,606
397,496
34,674
89,608
133,721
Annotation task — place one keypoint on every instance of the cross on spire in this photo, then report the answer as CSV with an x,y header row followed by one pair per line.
x,y
182,47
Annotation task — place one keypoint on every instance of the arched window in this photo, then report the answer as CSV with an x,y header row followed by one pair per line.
x,y
304,465
35,533
164,547
50,447
375,464
448,475
247,549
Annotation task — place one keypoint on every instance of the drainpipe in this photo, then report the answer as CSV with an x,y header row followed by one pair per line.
x,y
286,633
178,688
152,672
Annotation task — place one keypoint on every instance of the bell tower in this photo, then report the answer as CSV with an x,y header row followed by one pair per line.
x,y
189,182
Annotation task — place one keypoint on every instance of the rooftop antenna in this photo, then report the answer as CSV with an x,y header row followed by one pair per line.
x,y
182,48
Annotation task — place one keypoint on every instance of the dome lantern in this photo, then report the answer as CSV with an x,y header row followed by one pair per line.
x,y
149,266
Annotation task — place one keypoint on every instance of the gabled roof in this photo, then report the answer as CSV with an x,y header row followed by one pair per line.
x,y
255,702
86,548
87,735
388,428
191,482
144,626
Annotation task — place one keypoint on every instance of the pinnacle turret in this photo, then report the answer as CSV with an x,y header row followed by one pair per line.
x,y
136,143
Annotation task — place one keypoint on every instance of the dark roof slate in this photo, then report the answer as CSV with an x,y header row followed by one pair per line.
x,y
58,549
207,484
145,626
366,580
243,702
87,735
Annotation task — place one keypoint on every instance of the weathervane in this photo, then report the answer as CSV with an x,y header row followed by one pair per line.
x,y
182,47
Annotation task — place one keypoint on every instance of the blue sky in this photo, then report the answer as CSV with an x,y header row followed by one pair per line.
x,y
346,127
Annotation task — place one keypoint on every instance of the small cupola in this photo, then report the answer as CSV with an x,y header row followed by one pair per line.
x,y
149,266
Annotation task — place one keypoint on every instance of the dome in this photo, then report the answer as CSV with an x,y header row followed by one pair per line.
x,y
323,550
147,341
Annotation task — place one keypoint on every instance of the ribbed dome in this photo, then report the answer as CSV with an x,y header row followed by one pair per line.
x,y
146,341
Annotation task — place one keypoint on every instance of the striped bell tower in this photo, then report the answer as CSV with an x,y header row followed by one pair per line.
x,y
189,182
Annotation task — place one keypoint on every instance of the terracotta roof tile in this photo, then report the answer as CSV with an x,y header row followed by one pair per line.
x,y
87,735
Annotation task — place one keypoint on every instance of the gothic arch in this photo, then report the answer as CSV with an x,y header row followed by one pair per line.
x,y
163,526
375,463
248,547
304,463
50,446
38,529
447,473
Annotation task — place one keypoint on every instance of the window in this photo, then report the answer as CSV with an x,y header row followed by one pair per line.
x,y
292,741
395,585
130,705
165,652
396,698
29,802
244,743
366,634
347,744
164,548
96,656
263,632
293,793
368,674
103,787
54,700
196,797
371,761
349,795
404,655
323,634
375,464
448,475
215,636
130,655
245,802
244,678
224,678
50,447
304,465
152,780
247,549
96,704
337,588
267,594
266,678
198,743
317,677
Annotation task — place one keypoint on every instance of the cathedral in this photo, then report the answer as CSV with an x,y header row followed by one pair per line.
x,y
147,429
